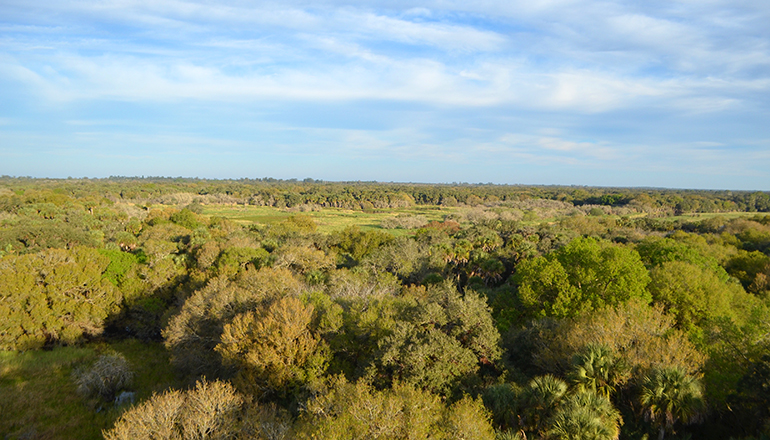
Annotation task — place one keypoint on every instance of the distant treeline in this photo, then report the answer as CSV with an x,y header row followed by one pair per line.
x,y
15,192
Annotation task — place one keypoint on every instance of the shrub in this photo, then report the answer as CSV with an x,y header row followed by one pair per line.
x,y
211,410
108,375
276,350
192,334
54,297
358,411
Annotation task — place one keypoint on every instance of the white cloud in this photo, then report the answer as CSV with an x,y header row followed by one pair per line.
x,y
573,66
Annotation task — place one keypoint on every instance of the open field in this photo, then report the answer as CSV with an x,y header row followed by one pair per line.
x,y
327,219
38,397
334,219
697,216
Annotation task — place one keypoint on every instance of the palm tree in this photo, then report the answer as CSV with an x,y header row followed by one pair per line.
x,y
586,416
597,368
501,400
669,395
541,398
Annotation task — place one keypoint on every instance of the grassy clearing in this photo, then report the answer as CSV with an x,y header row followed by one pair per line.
x,y
698,216
327,219
335,219
38,398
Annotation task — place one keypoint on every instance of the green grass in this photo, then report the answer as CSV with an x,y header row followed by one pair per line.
x,y
38,397
327,219
697,216
335,219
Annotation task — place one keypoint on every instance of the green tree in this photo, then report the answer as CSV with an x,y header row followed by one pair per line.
x,y
585,275
642,336
276,351
542,398
694,295
54,296
446,336
502,399
359,412
585,416
669,395
596,368
192,334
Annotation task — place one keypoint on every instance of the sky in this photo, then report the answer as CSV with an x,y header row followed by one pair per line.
x,y
671,93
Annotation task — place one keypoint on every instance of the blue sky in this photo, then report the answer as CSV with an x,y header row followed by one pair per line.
x,y
609,93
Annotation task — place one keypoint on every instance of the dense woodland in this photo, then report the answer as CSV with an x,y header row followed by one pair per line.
x,y
523,313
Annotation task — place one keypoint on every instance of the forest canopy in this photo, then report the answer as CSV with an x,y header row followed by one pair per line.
x,y
309,309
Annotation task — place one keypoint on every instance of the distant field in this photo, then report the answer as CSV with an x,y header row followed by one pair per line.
x,y
706,215
333,219
327,219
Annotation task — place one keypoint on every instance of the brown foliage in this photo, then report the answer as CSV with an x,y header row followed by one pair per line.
x,y
643,336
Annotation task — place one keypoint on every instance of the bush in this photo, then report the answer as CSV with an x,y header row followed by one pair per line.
x,y
54,297
275,350
359,411
211,410
192,334
108,375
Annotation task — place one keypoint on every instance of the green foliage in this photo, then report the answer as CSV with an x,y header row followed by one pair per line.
x,y
642,336
502,400
756,385
734,352
192,334
275,351
694,295
542,397
585,416
657,251
354,245
303,259
373,307
357,411
544,289
351,284
753,236
752,269
120,264
406,258
185,218
234,259
362,323
445,337
30,235
669,395
583,276
596,368
467,419
55,296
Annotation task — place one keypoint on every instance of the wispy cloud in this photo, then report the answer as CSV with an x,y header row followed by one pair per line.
x,y
575,82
